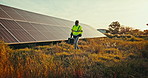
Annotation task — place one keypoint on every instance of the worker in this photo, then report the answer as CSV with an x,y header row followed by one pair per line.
x,y
76,33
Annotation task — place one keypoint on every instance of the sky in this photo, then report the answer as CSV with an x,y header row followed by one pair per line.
x,y
96,13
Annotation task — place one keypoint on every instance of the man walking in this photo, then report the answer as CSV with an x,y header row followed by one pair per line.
x,y
76,33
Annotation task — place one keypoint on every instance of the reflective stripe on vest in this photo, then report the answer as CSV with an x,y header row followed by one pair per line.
x,y
76,30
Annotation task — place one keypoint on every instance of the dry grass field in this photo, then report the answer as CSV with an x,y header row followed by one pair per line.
x,y
96,58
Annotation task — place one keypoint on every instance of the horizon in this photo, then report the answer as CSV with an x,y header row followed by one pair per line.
x,y
96,13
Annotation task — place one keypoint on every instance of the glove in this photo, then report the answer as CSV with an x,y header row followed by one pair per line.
x,y
71,35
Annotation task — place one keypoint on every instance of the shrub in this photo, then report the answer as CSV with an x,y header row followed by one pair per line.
x,y
135,39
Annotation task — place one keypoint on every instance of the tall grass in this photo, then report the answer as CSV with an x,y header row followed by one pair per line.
x,y
97,58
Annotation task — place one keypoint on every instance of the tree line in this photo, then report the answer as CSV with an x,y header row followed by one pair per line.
x,y
117,28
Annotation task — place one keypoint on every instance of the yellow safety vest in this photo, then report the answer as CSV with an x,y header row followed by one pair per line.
x,y
77,30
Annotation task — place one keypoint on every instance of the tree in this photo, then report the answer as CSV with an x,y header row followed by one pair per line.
x,y
125,30
136,32
145,32
114,27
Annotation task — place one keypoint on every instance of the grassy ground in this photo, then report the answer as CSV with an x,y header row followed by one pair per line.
x,y
97,58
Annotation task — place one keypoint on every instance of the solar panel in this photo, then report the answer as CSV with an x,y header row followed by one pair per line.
x,y
51,30
3,14
12,13
10,24
17,30
36,18
20,26
5,35
32,31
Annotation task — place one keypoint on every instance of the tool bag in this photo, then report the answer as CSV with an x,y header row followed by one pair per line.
x,y
70,40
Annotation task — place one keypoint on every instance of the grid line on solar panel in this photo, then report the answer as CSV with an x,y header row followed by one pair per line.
x,y
15,15
44,31
51,30
26,31
11,12
37,35
33,31
26,25
10,34
48,32
39,28
6,8
40,18
21,34
20,15
31,22
65,23
57,33
25,15
48,19
10,24
5,14
6,37
40,15
1,27
33,19
57,21
49,35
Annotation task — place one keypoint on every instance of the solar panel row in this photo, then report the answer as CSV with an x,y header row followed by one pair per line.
x,y
19,26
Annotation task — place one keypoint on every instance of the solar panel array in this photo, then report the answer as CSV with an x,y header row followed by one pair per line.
x,y
20,26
